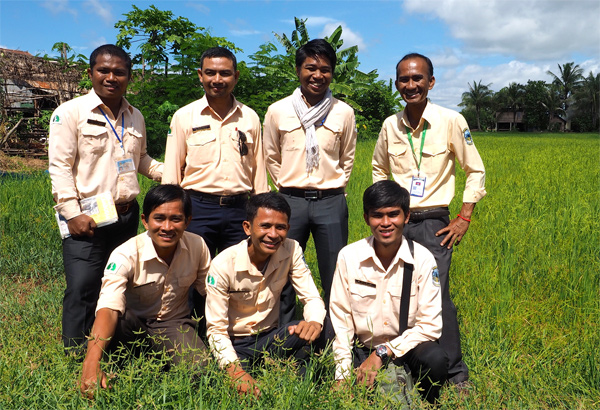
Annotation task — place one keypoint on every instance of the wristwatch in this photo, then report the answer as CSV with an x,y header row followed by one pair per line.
x,y
381,352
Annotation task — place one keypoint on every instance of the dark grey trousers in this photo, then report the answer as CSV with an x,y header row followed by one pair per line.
x,y
423,232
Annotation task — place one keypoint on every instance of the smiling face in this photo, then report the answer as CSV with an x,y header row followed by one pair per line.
x,y
110,77
387,225
218,77
267,232
165,225
413,81
315,75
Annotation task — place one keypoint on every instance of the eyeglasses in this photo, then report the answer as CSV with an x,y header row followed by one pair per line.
x,y
242,143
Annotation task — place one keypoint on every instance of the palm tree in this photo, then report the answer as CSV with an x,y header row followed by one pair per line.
x,y
587,98
569,79
552,102
511,98
478,96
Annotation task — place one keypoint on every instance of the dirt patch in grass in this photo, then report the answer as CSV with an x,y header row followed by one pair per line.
x,y
21,164
23,288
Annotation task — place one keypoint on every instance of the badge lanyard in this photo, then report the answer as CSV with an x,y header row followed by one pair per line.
x,y
413,148
123,129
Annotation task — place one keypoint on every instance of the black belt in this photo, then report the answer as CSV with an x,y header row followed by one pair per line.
x,y
313,194
221,200
417,216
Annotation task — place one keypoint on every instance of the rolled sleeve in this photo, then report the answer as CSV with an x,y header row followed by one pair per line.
x,y
304,285
217,317
114,283
341,319
470,161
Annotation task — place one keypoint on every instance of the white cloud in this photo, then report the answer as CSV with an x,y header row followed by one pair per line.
x,y
103,10
543,30
199,7
244,32
350,37
240,27
59,6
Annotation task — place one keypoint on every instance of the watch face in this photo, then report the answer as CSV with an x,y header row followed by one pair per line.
x,y
381,351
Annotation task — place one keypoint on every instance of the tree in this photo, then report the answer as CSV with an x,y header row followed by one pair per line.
x,y
174,45
552,103
511,99
587,100
478,97
569,79
535,114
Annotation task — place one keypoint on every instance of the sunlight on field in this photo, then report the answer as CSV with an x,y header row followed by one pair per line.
x,y
525,281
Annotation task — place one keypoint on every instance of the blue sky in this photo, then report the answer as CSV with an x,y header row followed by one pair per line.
x,y
496,41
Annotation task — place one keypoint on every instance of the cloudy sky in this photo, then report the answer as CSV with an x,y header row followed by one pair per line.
x,y
495,41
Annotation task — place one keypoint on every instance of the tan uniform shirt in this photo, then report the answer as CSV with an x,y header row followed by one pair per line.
x,y
447,138
83,152
285,147
241,301
208,147
365,301
136,278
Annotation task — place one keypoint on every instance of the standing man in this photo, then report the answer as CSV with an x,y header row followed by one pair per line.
x,y
310,138
97,145
216,141
418,147
243,288
145,288
368,299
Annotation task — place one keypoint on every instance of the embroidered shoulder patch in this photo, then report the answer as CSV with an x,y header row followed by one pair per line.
x,y
56,120
435,276
211,281
467,135
305,264
112,267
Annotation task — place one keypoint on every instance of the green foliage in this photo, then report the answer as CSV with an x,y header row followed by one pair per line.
x,y
478,99
377,102
536,115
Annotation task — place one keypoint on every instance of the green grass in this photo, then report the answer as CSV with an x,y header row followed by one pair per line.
x,y
525,281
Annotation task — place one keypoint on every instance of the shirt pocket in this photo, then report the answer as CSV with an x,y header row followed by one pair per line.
x,y
202,147
241,300
146,293
401,157
292,135
94,140
185,282
329,138
237,144
133,142
434,158
362,298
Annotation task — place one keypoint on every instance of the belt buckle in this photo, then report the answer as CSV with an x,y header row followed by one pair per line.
x,y
225,200
311,195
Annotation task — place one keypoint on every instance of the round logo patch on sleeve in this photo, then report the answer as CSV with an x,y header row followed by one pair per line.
x,y
467,135
435,276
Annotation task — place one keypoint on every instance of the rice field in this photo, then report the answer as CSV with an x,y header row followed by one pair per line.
x,y
525,280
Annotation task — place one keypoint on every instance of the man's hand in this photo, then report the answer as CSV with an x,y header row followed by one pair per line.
x,y
81,225
367,371
91,374
308,331
245,383
458,227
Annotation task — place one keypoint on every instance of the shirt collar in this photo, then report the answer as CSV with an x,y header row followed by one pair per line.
x,y
368,252
430,114
204,106
149,251
96,102
242,259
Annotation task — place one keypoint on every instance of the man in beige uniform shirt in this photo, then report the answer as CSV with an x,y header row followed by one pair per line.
x,y
97,145
217,142
368,302
146,284
418,147
310,138
243,287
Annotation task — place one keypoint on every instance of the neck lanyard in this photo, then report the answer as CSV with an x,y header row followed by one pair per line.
x,y
423,133
122,128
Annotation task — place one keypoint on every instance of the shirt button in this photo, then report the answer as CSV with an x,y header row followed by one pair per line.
x,y
384,302
385,323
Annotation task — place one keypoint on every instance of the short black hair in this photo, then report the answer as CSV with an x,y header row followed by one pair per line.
x,y
384,194
219,52
410,56
316,48
161,194
269,200
111,50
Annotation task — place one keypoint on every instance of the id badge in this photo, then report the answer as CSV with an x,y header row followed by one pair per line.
x,y
417,188
125,165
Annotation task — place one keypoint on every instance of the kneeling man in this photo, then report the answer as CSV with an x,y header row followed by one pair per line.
x,y
369,305
242,295
146,284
